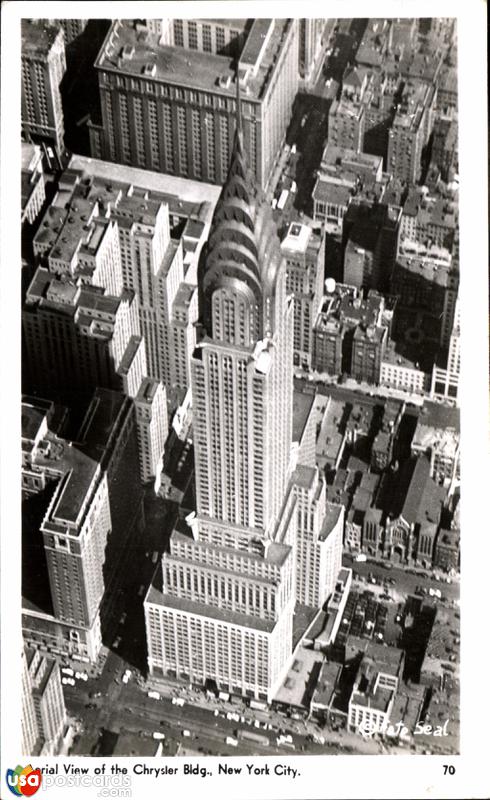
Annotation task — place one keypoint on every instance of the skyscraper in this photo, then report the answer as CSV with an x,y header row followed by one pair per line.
x,y
43,704
167,95
228,582
43,67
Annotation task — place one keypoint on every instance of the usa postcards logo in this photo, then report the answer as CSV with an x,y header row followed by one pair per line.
x,y
23,781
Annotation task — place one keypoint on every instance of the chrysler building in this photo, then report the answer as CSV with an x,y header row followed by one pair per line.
x,y
225,605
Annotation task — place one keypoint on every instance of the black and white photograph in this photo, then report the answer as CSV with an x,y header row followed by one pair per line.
x,y
243,514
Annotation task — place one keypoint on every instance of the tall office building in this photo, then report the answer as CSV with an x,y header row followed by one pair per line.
x,y
43,704
319,542
72,28
224,611
80,337
304,252
89,490
167,94
29,727
43,67
152,428
116,234
311,47
410,130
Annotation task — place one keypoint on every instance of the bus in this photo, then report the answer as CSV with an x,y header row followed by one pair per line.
x,y
283,199
250,736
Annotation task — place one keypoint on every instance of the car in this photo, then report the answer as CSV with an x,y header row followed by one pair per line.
x,y
178,701
123,618
216,712
186,733
153,695
116,642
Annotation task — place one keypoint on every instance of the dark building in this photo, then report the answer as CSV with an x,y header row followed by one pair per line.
x,y
368,348
370,233
446,553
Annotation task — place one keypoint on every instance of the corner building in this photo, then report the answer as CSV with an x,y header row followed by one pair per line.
x,y
224,611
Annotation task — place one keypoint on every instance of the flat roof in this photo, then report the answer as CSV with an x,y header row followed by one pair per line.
x,y
38,36
327,683
190,68
157,597
184,196
32,418
304,476
331,518
302,406
297,688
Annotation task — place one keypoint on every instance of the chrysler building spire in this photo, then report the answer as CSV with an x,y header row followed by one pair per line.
x,y
240,267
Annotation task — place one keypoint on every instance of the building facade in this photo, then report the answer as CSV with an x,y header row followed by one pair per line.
x,y
228,581
168,98
304,252
44,713
85,521
43,67
152,428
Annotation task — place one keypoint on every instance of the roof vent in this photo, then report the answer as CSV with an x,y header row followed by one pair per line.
x,y
127,52
224,81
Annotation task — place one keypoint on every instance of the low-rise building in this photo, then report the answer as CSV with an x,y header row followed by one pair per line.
x,y
378,677
382,447
438,437
399,372
414,501
429,219
447,550
350,334
325,691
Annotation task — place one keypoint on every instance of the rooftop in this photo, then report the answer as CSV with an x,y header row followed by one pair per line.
x,y
130,50
443,440
75,465
304,476
184,197
330,520
424,497
327,683
302,406
331,437
37,37
297,238
156,597
436,415
301,679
